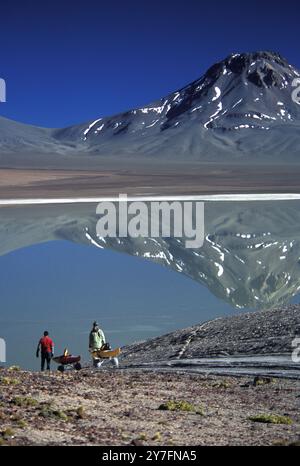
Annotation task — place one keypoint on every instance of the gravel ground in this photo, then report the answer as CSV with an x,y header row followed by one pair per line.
x,y
116,407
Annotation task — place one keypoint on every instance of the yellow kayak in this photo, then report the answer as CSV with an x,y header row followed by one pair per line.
x,y
106,353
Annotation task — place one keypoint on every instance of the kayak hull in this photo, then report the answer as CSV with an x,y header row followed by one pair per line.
x,y
105,354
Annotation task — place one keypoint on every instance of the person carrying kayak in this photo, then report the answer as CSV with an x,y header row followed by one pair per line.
x,y
97,342
96,338
46,346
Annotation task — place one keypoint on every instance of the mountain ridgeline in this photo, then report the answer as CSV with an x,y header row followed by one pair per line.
x,y
240,109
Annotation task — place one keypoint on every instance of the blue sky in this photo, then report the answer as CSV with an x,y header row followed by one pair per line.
x,y
68,62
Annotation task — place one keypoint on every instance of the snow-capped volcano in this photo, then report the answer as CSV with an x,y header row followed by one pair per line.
x,y
241,106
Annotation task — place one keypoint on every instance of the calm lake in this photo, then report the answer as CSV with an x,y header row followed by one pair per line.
x,y
58,275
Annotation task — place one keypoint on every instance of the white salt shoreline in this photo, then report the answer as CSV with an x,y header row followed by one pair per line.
x,y
145,198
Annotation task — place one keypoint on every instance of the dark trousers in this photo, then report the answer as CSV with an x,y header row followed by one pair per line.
x,y
45,357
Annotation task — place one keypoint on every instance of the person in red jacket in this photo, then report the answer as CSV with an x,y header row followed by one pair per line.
x,y
46,346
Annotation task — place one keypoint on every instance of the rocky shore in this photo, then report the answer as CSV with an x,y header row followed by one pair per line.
x,y
264,332
141,408
172,390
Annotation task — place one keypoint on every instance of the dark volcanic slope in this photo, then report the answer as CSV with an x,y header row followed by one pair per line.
x,y
261,332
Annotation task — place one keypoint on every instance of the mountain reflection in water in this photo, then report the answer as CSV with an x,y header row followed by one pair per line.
x,y
250,256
